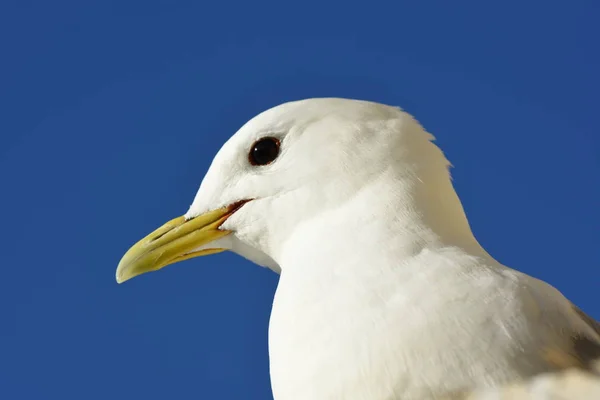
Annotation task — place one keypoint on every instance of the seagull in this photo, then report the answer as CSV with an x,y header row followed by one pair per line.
x,y
384,292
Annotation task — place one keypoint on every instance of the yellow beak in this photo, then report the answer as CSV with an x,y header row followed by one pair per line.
x,y
175,241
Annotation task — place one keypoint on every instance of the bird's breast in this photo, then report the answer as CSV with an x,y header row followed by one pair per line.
x,y
337,338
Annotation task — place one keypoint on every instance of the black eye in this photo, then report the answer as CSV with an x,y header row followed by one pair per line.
x,y
264,151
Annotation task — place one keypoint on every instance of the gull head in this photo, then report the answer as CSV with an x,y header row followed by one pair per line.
x,y
288,165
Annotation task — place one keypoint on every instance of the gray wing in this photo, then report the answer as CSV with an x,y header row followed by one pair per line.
x,y
586,349
595,325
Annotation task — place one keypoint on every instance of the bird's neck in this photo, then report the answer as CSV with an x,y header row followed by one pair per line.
x,y
388,223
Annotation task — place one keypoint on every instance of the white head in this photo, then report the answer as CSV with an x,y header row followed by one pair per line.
x,y
318,153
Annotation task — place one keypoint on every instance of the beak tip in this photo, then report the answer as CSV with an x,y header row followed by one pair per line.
x,y
119,277
121,274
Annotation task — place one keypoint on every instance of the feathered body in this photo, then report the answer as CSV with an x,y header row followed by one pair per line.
x,y
384,292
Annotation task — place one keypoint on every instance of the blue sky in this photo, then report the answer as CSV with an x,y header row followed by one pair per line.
x,y
112,111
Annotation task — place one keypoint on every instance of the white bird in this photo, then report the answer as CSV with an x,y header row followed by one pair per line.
x,y
384,291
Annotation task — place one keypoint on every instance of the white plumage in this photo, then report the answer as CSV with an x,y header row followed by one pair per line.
x,y
384,291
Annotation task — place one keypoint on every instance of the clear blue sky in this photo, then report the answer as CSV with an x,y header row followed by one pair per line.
x,y
111,111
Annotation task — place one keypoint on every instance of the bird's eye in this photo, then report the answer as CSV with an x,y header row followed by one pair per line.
x,y
264,151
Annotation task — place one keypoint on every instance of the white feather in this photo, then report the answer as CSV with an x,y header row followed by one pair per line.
x,y
384,291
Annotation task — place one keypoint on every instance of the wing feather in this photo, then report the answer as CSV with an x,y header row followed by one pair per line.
x,y
586,349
